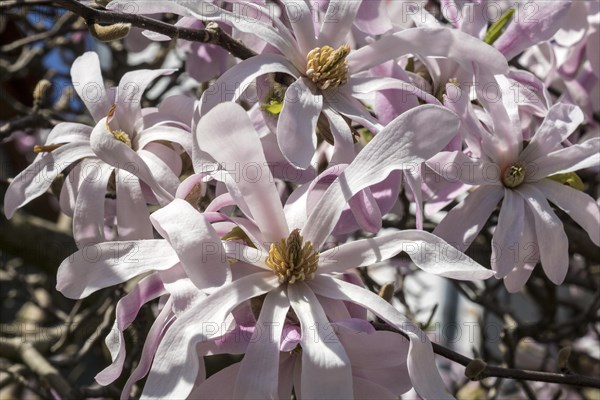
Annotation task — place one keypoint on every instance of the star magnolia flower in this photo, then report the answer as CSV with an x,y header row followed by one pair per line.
x,y
121,145
327,74
527,230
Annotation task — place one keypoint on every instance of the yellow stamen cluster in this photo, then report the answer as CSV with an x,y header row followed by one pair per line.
x,y
292,260
117,133
327,67
513,176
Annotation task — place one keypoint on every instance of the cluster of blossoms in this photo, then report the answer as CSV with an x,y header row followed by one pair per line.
x,y
297,149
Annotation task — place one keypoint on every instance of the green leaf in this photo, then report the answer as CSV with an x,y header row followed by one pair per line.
x,y
498,27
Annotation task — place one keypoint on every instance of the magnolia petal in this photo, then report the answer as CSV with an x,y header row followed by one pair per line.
x,y
176,364
326,371
37,178
423,372
337,22
464,222
343,151
88,213
237,148
297,123
507,239
217,386
247,254
69,132
161,171
404,143
258,374
517,278
301,19
456,167
568,159
127,310
578,205
89,85
195,242
164,133
428,252
560,122
552,240
132,212
95,267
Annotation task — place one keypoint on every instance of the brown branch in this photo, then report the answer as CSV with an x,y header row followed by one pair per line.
x,y
212,34
500,372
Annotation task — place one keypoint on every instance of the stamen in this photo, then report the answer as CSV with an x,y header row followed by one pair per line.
x,y
292,260
117,134
514,175
327,67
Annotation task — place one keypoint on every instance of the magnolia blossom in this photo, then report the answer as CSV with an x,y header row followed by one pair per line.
x,y
121,151
526,176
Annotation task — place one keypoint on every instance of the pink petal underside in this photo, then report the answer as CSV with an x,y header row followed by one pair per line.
x,y
301,19
127,310
528,257
404,143
569,159
89,85
552,240
580,206
88,214
338,22
464,222
507,239
423,372
326,371
196,243
258,375
37,178
106,264
164,133
132,212
238,150
445,260
297,123
176,363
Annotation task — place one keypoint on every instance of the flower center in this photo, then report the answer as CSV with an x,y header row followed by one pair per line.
x,y
327,67
117,133
292,260
514,175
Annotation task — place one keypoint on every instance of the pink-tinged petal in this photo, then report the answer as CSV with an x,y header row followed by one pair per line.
x,y
338,22
190,183
365,389
569,159
506,242
364,208
258,375
297,123
415,182
377,349
129,95
301,20
538,21
360,86
290,339
37,178
89,85
183,293
70,187
164,133
552,240
196,243
151,343
295,207
560,122
88,213
372,18
342,102
95,267
119,155
180,106
217,386
429,42
176,363
389,103
237,146
133,217
455,166
247,254
395,379
326,371
69,132
336,310
343,151
578,205
161,171
231,85
404,143
464,222
423,373
127,310
458,101
428,252
529,248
